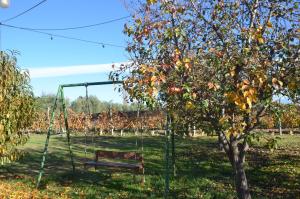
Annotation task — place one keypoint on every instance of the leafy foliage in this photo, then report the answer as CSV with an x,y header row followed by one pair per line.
x,y
217,63
17,102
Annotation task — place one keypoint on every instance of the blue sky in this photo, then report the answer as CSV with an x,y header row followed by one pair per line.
x,y
40,52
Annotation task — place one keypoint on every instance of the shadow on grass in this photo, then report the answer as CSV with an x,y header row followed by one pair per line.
x,y
274,174
202,170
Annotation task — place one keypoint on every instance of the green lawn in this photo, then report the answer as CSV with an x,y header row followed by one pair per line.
x,y
202,170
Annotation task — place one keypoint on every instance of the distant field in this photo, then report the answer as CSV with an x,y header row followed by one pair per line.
x,y
202,170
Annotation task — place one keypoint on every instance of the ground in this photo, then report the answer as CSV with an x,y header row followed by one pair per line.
x,y
202,170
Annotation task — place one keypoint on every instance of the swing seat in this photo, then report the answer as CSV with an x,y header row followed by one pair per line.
x,y
137,165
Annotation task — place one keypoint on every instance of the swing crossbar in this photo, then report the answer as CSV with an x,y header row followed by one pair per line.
x,y
91,84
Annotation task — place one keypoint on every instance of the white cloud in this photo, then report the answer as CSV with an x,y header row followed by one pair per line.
x,y
71,70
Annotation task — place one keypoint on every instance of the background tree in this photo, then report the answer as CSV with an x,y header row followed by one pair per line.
x,y
220,61
46,101
95,106
17,107
98,106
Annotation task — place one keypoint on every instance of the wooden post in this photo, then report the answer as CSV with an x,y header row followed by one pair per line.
x,y
202,132
152,132
194,131
280,126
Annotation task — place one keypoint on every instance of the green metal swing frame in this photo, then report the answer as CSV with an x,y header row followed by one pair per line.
x,y
170,138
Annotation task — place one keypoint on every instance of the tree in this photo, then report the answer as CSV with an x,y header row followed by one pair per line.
x,y
46,101
220,61
94,104
17,107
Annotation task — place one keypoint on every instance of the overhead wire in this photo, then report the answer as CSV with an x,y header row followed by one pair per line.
x,y
24,12
40,30
80,27
51,35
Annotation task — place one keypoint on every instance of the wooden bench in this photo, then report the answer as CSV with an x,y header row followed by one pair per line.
x,y
137,164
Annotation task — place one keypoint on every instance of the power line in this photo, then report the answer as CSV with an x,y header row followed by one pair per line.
x,y
24,12
62,36
79,27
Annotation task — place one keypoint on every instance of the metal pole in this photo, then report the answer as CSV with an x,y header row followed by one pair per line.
x,y
47,140
86,121
67,126
167,146
91,84
173,150
142,141
279,118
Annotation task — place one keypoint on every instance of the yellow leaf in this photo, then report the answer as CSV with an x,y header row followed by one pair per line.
x,y
249,102
243,106
244,87
177,51
245,81
186,60
260,40
246,50
189,105
269,24
216,87
222,120
246,93
210,85
153,78
162,78
151,1
238,102
178,63
261,81
292,85
252,91
194,95
232,73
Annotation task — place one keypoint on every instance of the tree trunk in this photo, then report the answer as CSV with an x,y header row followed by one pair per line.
x,y
241,183
236,154
237,159
220,143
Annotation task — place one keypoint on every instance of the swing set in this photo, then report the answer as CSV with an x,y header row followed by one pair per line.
x,y
137,159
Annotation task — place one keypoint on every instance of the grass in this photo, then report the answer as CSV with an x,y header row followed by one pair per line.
x,y
202,170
